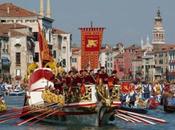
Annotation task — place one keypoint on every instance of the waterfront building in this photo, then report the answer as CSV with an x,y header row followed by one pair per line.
x,y
61,48
119,66
76,58
12,14
148,65
106,59
16,50
170,73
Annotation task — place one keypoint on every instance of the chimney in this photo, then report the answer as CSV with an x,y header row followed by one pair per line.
x,y
8,10
48,13
41,12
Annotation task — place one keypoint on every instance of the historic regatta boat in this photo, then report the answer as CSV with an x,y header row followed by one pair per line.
x,y
78,104
85,109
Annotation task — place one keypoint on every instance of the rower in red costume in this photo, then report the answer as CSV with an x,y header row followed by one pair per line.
x,y
89,77
103,75
112,80
58,83
69,80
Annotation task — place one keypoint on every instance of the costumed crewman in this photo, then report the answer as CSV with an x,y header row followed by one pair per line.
x,y
112,80
146,89
132,95
89,77
157,90
103,96
69,80
3,106
103,75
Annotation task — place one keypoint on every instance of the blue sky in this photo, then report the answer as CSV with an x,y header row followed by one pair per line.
x,y
125,21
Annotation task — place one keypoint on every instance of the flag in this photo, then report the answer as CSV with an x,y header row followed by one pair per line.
x,y
45,55
125,87
83,89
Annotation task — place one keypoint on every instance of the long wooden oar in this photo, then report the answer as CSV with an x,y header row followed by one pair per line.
x,y
25,113
143,120
34,117
121,117
15,112
133,120
144,116
19,115
40,119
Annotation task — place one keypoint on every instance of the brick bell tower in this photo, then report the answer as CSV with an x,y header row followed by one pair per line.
x,y
158,33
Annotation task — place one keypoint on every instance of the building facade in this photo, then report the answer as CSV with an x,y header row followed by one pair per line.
x,y
106,59
12,14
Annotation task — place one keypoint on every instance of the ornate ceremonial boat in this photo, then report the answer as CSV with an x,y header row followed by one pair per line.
x,y
77,109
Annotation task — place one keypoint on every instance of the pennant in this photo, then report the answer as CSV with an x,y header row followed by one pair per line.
x,y
45,54
125,87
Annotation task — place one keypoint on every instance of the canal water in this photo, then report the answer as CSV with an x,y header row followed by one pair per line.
x,y
13,101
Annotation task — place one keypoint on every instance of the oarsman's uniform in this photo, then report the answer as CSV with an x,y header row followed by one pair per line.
x,y
89,79
113,80
58,83
146,88
104,77
157,91
102,94
69,80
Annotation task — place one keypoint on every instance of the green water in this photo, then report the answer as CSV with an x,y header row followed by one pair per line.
x,y
119,124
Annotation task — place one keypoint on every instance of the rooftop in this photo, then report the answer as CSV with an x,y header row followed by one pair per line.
x,y
11,10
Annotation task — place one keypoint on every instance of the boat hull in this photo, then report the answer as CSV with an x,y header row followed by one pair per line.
x,y
136,110
84,110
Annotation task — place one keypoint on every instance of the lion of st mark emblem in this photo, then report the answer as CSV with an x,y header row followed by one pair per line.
x,y
92,43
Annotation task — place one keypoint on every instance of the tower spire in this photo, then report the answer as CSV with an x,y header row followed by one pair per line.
x,y
41,11
48,13
147,40
158,30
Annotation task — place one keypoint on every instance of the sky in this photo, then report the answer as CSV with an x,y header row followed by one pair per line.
x,y
126,21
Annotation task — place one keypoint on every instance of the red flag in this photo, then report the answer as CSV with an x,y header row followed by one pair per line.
x,y
83,89
43,46
125,87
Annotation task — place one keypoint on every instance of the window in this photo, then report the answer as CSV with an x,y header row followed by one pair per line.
x,y
161,54
18,72
64,49
74,59
65,38
161,61
36,57
35,35
3,21
18,58
54,54
63,63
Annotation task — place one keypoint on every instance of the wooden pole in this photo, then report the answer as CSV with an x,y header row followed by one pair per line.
x,y
144,116
29,119
43,117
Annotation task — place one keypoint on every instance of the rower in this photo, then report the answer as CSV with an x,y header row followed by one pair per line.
x,y
3,106
103,96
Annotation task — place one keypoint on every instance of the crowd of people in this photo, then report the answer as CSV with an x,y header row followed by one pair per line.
x,y
7,87
132,93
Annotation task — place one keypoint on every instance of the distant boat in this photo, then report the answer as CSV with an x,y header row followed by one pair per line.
x,y
17,92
